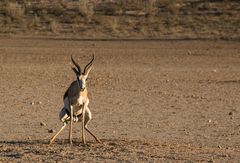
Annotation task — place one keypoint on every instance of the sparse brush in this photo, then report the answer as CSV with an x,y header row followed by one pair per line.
x,y
151,7
35,22
143,30
173,6
15,11
86,8
57,9
54,26
114,25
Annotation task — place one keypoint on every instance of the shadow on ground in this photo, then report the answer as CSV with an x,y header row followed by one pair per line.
x,y
108,150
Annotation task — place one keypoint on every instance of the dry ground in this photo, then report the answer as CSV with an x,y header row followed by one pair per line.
x,y
175,101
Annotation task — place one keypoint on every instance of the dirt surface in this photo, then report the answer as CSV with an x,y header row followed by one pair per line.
x,y
175,101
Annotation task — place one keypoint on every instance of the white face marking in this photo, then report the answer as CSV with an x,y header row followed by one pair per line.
x,y
83,79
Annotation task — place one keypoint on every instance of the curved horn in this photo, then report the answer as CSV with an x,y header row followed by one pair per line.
x,y
88,66
76,71
75,63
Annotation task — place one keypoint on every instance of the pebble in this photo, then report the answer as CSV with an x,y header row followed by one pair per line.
x,y
43,124
50,131
32,103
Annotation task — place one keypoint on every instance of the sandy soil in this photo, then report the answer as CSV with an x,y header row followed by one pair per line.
x,y
175,101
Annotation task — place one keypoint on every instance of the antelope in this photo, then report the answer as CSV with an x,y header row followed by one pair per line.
x,y
76,103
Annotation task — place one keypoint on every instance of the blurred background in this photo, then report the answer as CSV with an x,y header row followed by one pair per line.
x,y
143,19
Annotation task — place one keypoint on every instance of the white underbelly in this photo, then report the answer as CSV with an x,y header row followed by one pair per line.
x,y
74,101
80,100
77,106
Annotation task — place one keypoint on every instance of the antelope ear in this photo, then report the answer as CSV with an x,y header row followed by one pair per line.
x,y
76,71
87,71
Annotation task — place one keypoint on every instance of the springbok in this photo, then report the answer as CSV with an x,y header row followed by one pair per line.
x,y
76,103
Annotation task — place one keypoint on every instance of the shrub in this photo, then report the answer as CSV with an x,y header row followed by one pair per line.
x,y
15,11
86,8
54,27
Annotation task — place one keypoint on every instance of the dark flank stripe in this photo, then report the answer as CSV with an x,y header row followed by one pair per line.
x,y
65,95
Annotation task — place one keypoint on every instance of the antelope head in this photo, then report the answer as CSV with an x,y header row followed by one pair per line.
x,y
82,77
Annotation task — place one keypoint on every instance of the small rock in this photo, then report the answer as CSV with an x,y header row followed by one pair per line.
x,y
214,70
43,124
39,102
32,103
209,121
230,113
119,103
50,131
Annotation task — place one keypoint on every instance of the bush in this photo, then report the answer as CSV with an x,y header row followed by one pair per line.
x,y
85,8
15,11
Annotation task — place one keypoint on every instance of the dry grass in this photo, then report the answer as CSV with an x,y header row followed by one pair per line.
x,y
143,30
35,22
57,9
15,11
85,8
114,25
119,17
54,27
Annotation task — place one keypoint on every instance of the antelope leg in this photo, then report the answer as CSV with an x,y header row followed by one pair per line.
x,y
92,135
54,137
83,124
71,124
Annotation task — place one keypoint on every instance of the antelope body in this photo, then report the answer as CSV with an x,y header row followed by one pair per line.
x,y
76,103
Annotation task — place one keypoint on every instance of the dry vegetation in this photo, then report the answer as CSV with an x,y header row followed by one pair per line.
x,y
122,18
